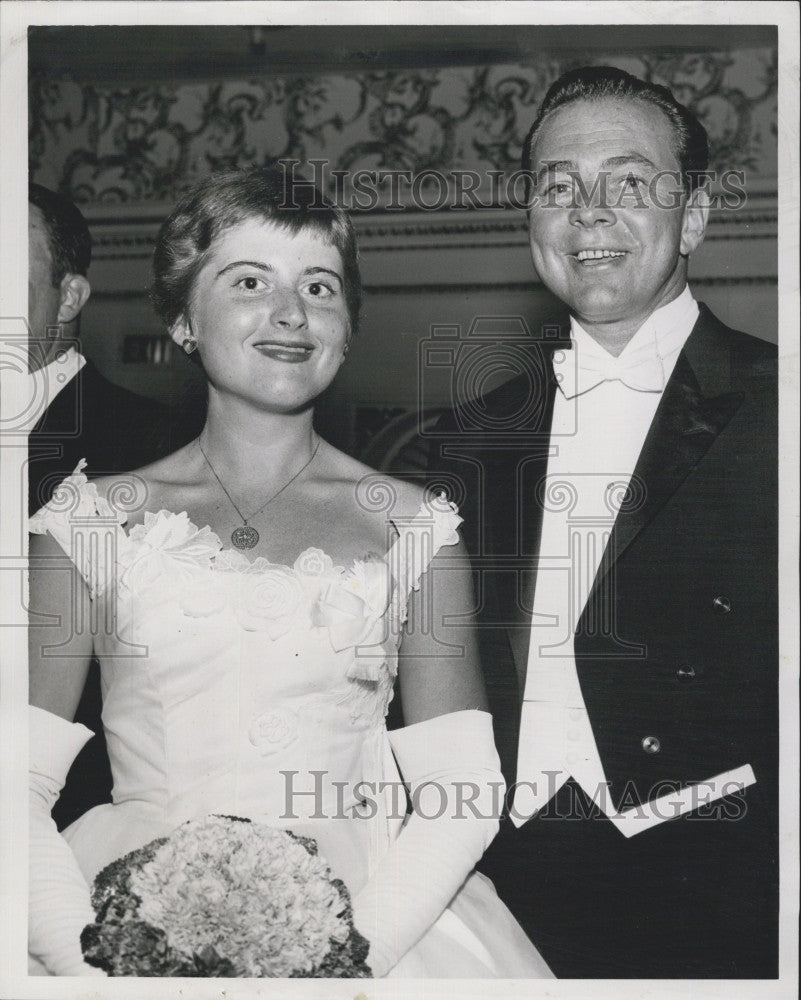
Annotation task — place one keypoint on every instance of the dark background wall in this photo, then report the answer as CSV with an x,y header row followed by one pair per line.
x,y
124,119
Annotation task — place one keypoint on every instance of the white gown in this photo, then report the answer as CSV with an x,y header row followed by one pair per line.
x,y
238,686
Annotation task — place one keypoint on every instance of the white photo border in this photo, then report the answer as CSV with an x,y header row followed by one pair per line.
x,y
15,17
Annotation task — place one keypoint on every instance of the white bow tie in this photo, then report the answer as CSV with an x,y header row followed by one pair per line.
x,y
579,371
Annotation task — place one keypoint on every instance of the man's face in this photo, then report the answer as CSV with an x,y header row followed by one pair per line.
x,y
616,257
44,300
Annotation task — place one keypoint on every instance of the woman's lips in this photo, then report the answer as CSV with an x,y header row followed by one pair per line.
x,y
292,354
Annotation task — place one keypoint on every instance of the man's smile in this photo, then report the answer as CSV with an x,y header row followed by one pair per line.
x,y
591,256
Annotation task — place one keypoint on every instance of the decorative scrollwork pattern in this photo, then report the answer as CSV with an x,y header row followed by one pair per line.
x,y
110,143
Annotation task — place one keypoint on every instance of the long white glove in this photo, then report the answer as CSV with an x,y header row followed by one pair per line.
x,y
59,906
455,820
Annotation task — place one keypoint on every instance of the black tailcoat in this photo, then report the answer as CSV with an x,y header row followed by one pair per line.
x,y
678,640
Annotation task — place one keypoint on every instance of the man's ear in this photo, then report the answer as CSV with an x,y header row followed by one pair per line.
x,y
693,227
73,294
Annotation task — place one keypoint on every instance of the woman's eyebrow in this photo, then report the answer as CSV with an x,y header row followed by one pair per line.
x,y
322,270
245,263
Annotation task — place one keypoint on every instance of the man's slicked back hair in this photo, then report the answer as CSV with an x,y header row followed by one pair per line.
x,y
594,83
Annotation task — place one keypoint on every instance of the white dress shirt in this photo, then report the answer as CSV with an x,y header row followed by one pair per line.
x,y
602,413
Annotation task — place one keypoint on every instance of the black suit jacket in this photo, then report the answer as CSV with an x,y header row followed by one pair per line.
x,y
678,639
115,431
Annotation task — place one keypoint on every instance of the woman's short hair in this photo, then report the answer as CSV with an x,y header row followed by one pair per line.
x,y
592,83
227,199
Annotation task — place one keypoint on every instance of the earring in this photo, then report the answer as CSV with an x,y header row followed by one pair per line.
x,y
189,345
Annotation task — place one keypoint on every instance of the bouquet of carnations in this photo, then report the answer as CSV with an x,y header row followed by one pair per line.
x,y
222,896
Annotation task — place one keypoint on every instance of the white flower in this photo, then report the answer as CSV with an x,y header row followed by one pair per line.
x,y
269,602
345,614
315,570
175,534
369,579
167,543
232,561
315,563
260,897
273,730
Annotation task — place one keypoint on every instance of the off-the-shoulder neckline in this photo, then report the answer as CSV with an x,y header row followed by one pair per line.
x,y
255,563
263,562
426,509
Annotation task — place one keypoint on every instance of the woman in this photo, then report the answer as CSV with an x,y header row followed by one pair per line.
x,y
250,593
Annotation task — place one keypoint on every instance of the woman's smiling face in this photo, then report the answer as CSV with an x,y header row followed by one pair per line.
x,y
269,314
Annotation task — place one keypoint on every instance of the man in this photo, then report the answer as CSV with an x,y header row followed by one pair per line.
x,y
623,494
81,416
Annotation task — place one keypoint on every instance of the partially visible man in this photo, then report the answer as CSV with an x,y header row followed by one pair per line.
x,y
83,416
626,540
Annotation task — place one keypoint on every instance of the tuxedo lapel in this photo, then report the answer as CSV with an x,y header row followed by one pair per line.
x,y
692,413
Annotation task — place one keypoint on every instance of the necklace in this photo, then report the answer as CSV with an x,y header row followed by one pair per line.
x,y
244,536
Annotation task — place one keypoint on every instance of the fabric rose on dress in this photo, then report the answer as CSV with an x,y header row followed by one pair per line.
x,y
342,613
352,609
269,602
165,543
369,579
233,561
315,570
273,730
315,563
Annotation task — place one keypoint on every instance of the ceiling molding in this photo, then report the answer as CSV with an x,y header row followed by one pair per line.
x,y
192,52
442,251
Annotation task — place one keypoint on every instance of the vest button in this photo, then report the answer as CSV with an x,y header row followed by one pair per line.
x,y
686,673
651,744
722,605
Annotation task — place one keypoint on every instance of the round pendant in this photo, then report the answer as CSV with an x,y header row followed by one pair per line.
x,y
244,537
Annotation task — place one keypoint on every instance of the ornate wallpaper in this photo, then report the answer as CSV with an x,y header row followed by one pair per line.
x,y
146,143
